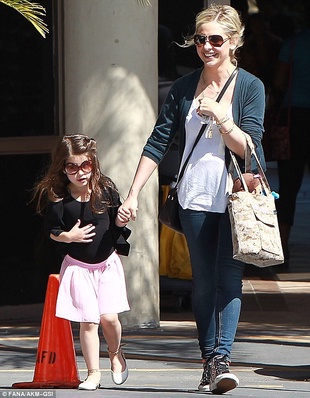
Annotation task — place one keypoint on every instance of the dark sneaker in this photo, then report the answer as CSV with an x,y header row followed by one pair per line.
x,y
205,378
221,380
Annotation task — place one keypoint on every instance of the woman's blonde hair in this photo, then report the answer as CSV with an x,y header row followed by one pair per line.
x,y
227,17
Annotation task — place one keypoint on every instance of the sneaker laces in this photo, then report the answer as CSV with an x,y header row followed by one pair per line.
x,y
220,364
205,378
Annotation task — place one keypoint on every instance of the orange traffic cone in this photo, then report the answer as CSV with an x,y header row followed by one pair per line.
x,y
56,362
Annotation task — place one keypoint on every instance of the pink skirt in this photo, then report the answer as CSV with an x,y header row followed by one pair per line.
x,y
87,291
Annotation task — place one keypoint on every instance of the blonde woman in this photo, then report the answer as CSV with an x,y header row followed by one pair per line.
x,y
202,192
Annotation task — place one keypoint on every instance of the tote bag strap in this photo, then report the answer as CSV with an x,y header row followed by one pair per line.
x,y
250,151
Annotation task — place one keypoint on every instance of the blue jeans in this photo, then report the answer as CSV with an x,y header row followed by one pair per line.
x,y
217,280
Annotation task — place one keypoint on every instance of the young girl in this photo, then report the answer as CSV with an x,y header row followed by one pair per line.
x,y
83,215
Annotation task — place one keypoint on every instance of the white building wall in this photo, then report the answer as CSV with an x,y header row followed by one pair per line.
x,y
110,90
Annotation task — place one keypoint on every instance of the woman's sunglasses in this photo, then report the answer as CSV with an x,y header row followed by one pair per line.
x,y
214,40
73,168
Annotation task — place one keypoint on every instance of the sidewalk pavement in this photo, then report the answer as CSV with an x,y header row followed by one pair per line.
x,y
271,354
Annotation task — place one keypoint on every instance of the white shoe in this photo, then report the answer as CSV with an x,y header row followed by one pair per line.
x,y
119,377
223,383
92,381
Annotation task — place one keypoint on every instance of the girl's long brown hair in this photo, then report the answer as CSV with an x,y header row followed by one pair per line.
x,y
53,186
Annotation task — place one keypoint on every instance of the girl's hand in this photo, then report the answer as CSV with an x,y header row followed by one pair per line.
x,y
123,216
79,234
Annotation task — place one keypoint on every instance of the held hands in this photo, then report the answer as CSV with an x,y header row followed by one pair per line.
x,y
123,216
130,205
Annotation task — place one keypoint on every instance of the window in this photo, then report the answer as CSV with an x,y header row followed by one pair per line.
x,y
29,81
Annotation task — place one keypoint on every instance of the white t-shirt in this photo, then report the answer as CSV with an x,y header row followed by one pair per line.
x,y
204,183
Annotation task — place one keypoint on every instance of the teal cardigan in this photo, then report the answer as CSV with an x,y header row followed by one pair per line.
x,y
248,108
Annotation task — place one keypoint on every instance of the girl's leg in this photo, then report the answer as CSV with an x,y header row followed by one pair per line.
x,y
89,339
112,330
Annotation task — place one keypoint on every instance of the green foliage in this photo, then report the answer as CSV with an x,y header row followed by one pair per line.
x,y
144,3
31,11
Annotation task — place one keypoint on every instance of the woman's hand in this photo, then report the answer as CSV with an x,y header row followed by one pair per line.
x,y
123,216
232,135
209,107
131,205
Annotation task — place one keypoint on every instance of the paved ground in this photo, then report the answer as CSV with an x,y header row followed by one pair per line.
x,y
271,355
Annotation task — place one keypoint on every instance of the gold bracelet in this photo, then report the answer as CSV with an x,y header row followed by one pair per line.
x,y
222,121
228,131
